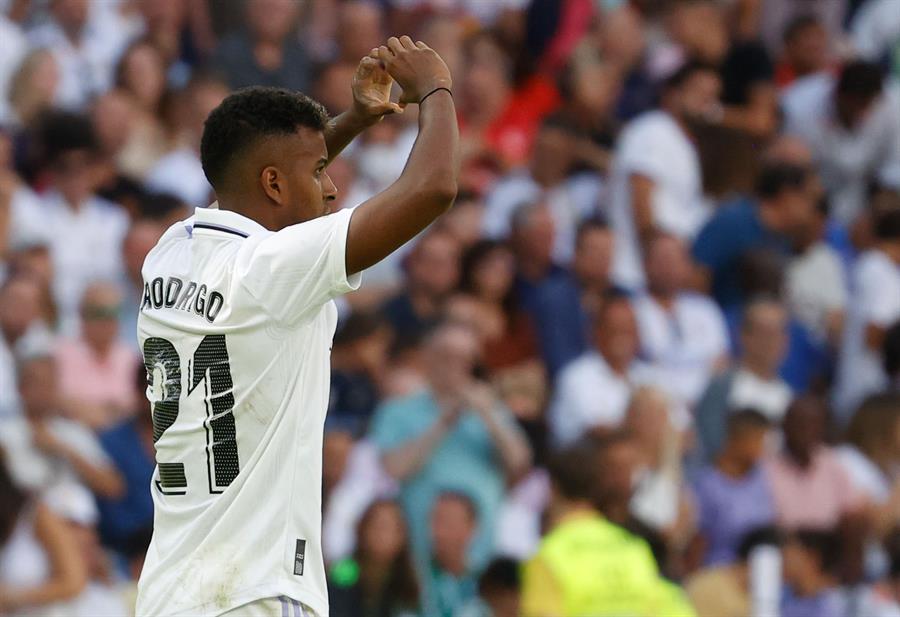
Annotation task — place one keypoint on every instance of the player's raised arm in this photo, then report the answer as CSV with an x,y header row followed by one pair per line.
x,y
427,186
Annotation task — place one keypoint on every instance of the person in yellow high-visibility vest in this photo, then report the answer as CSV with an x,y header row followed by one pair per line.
x,y
585,565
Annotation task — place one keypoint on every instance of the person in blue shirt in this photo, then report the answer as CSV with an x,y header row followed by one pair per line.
x,y
452,436
130,446
562,306
786,198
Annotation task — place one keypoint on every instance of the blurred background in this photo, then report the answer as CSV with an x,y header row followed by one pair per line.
x,y
668,293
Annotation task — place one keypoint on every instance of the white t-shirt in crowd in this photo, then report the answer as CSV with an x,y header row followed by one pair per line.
x,y
874,300
85,246
236,328
86,68
180,173
770,397
816,286
33,468
590,394
684,343
847,160
655,146
570,202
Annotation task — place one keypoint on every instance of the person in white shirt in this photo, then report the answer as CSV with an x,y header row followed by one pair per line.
x,y
593,390
46,449
874,307
86,41
180,172
656,178
683,333
852,124
236,326
84,231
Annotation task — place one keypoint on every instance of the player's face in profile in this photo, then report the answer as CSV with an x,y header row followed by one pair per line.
x,y
310,189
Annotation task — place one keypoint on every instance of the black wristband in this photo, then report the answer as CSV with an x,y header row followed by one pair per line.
x,y
422,100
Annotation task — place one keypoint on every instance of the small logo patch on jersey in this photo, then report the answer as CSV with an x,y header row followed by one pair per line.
x,y
299,555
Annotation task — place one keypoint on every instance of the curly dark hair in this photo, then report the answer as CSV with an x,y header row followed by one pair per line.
x,y
248,115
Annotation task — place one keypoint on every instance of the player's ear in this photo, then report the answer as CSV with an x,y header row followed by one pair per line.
x,y
273,184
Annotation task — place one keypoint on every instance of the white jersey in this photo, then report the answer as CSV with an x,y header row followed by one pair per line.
x,y
236,326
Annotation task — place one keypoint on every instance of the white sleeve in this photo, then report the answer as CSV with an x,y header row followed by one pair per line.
x,y
293,272
879,296
640,152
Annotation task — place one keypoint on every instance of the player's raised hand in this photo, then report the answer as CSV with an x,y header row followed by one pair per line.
x,y
371,87
415,66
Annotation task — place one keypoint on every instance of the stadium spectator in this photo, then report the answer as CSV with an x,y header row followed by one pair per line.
x,y
785,198
265,54
129,444
565,305
45,449
810,561
547,180
32,89
682,333
732,495
585,565
450,582
359,362
805,51
620,36
488,299
85,44
749,102
661,501
752,381
874,306
656,181
593,390
105,593
40,562
499,591
95,369
452,436
179,172
432,273
589,88
852,124
379,580
810,487
84,231
532,231
359,30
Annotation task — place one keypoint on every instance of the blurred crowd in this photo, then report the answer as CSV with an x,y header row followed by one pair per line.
x,y
648,363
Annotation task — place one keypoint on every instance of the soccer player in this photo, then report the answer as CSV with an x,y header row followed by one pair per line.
x,y
236,326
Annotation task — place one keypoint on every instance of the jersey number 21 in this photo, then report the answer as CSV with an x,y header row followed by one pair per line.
x,y
209,366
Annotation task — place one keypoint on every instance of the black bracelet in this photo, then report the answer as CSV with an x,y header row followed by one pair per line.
x,y
422,100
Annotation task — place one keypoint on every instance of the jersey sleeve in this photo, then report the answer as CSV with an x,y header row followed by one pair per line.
x,y
293,272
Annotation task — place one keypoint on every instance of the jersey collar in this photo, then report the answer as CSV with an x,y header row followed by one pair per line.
x,y
226,221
